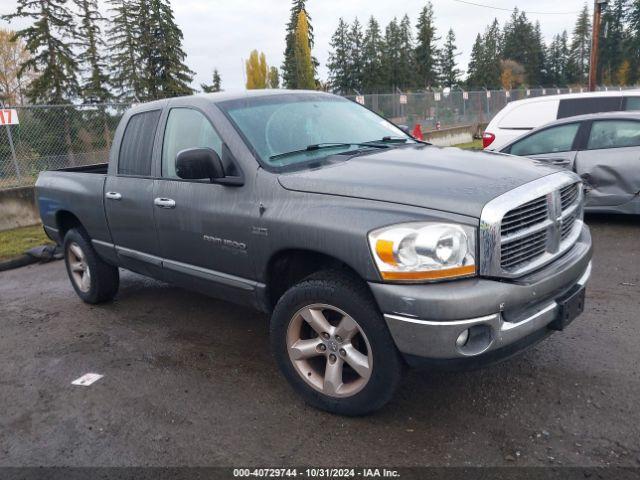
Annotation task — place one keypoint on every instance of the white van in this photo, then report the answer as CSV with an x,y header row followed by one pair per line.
x,y
521,116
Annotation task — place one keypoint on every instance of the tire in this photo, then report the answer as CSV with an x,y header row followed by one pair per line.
x,y
355,373
93,279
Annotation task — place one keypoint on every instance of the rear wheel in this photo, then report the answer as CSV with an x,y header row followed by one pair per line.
x,y
93,279
333,346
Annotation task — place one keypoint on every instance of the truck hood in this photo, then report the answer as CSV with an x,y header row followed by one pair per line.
x,y
446,179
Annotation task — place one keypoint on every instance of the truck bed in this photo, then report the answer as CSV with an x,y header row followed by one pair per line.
x,y
100,168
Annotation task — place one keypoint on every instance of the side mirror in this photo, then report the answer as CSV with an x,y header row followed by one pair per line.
x,y
199,163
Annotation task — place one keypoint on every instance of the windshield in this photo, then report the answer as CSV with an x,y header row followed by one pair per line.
x,y
281,128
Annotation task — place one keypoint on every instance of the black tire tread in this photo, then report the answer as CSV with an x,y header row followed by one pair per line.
x,y
340,288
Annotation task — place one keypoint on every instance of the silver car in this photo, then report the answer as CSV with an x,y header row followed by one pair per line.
x,y
603,148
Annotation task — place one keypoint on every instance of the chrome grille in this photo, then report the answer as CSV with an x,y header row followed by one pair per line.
x,y
522,217
569,195
531,225
523,250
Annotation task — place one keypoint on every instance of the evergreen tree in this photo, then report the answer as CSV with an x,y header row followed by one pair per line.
x,y
216,83
167,74
557,59
485,64
256,67
95,86
391,56
580,49
123,44
491,56
406,57
372,51
475,68
536,58
305,75
426,51
274,78
633,41
612,42
338,63
289,67
447,64
163,72
52,59
356,64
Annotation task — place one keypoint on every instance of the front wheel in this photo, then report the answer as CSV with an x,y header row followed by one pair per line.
x,y
93,279
333,346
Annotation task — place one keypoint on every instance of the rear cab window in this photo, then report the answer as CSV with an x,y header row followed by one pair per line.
x,y
137,144
572,107
614,134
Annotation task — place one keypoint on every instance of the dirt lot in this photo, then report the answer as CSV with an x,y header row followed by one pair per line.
x,y
190,381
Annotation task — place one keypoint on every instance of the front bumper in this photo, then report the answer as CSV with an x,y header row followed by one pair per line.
x,y
426,320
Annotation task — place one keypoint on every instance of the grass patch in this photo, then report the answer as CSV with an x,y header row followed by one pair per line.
x,y
475,145
14,243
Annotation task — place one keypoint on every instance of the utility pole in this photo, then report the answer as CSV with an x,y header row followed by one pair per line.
x,y
598,5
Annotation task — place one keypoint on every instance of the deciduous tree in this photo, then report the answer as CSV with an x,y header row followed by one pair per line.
x,y
256,67
12,55
305,76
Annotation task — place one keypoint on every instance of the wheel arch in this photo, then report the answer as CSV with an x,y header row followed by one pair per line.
x,y
65,221
287,267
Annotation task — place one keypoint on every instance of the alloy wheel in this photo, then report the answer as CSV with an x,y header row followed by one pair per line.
x,y
78,267
329,350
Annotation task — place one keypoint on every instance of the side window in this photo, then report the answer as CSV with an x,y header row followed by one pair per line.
x,y
186,128
137,144
632,103
614,134
551,140
582,106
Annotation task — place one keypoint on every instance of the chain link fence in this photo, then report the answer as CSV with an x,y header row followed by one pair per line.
x,y
443,109
51,137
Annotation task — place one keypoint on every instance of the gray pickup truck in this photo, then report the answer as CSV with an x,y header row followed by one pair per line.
x,y
370,250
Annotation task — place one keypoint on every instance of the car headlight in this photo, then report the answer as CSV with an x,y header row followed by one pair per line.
x,y
418,252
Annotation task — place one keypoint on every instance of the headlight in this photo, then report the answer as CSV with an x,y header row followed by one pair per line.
x,y
415,252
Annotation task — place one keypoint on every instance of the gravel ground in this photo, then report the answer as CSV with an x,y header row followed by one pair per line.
x,y
190,381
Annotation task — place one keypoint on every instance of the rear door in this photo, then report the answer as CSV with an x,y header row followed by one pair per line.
x,y
204,228
610,162
555,145
129,196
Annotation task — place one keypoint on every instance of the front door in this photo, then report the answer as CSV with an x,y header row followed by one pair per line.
x,y
554,145
129,197
203,228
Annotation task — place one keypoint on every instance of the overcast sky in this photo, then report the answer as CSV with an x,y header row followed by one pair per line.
x,y
221,33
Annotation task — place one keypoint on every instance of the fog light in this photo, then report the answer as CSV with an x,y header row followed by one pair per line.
x,y
462,339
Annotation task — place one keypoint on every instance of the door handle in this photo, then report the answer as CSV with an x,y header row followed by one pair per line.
x,y
560,162
113,196
164,203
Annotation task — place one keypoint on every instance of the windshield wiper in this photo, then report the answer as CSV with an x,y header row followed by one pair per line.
x,y
322,146
388,140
